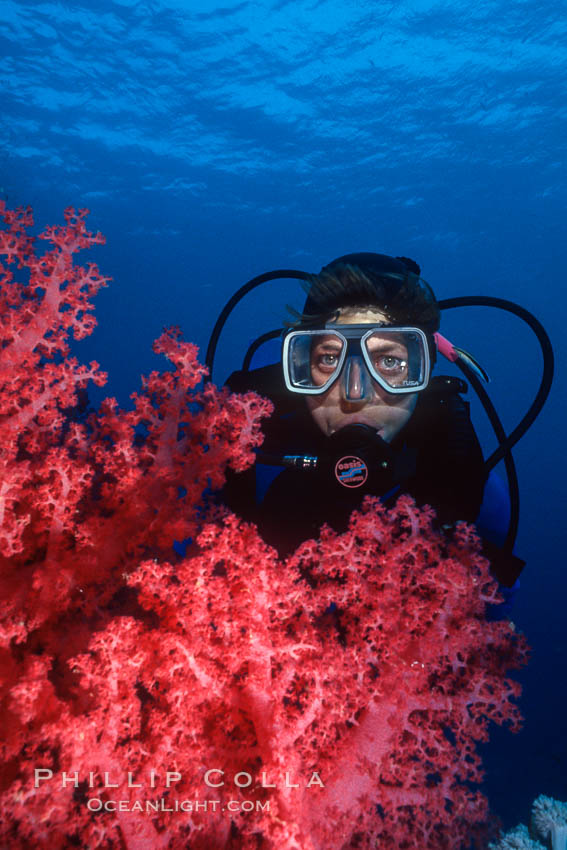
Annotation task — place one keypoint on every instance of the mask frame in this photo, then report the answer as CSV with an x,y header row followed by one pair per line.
x,y
353,338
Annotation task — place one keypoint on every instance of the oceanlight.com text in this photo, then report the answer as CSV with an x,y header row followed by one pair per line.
x,y
95,804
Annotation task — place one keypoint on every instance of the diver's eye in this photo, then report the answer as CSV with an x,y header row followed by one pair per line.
x,y
388,363
327,362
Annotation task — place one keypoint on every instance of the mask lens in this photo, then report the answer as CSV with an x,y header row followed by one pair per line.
x,y
397,359
314,359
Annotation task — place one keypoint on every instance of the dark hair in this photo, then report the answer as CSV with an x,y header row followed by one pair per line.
x,y
393,284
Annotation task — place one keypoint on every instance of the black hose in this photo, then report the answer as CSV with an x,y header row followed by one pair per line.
x,y
231,304
510,465
508,442
253,348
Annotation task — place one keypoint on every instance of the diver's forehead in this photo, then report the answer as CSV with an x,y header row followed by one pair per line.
x,y
328,339
361,316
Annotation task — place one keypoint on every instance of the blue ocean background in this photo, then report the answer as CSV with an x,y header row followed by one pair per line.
x,y
215,141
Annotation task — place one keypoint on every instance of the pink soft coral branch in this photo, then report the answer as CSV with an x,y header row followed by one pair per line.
x,y
78,499
365,659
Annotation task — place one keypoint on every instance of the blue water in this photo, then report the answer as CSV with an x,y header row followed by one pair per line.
x,y
213,142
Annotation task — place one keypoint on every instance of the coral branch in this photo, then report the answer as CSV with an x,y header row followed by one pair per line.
x,y
339,694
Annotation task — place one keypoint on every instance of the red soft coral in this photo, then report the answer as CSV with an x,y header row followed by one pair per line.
x,y
82,498
337,697
77,499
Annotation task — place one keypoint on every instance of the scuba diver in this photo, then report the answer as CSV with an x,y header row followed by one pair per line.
x,y
357,411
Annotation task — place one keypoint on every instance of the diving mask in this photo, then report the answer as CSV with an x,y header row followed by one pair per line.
x,y
396,358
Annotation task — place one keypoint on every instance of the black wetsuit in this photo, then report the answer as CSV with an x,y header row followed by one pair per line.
x,y
436,458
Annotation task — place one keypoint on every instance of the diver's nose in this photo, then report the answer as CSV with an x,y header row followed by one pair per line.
x,y
356,384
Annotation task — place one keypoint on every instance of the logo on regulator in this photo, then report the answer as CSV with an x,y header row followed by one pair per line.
x,y
351,471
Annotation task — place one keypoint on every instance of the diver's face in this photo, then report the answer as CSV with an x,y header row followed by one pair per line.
x,y
333,410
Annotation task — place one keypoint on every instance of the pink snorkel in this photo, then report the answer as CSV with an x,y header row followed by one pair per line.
x,y
446,348
452,353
